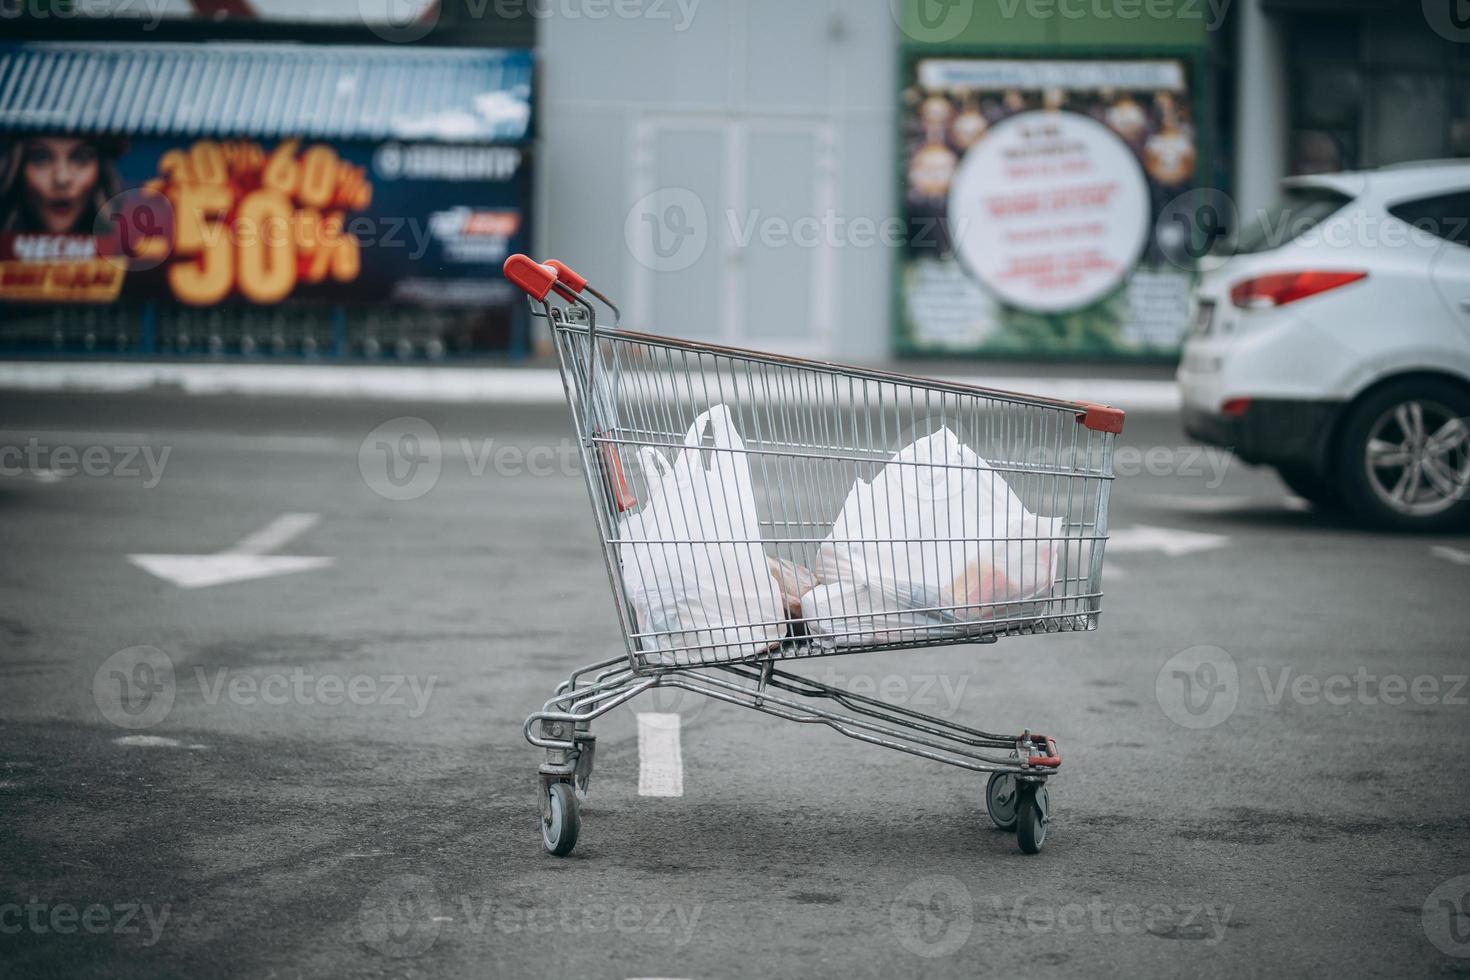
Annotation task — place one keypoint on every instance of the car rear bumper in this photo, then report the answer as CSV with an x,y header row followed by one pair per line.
x,y
1275,432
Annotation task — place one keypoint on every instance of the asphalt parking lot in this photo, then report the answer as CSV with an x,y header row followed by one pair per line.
x,y
1267,743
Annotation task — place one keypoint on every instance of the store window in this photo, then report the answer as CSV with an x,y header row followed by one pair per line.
x,y
1370,89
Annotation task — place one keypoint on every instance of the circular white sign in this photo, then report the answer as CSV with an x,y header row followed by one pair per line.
x,y
1050,211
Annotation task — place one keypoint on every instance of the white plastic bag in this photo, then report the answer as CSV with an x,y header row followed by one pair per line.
x,y
936,540
693,564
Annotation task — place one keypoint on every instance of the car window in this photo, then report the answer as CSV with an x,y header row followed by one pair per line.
x,y
1445,216
1301,210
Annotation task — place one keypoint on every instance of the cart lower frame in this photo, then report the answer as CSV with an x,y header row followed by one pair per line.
x,y
1019,765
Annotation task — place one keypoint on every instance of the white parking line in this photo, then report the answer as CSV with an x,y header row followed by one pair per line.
x,y
1451,554
660,758
155,742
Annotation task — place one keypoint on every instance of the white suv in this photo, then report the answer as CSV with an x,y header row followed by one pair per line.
x,y
1334,344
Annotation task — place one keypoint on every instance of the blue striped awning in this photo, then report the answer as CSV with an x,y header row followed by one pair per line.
x,y
267,90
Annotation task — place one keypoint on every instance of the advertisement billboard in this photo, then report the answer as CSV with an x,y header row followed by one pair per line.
x,y
205,222
1040,184
368,12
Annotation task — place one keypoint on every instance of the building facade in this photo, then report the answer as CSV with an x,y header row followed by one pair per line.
x,y
981,177
777,174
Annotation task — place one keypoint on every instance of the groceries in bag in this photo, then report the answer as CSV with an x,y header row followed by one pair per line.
x,y
937,541
695,571
795,581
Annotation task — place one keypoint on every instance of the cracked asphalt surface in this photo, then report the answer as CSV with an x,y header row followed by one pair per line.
x,y
339,785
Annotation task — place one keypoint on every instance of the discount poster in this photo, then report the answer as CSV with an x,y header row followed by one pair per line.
x,y
1033,189
204,222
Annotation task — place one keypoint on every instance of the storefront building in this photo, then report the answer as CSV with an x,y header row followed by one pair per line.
x,y
1327,85
182,195
964,179
794,190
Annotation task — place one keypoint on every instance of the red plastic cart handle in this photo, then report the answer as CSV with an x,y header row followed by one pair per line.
x,y
533,277
1051,760
1101,418
567,277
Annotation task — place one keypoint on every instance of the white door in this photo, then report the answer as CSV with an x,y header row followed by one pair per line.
x,y
734,231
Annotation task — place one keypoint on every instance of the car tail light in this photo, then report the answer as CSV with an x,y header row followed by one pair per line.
x,y
1236,407
1278,289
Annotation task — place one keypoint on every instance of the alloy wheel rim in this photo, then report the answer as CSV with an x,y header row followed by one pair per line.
x,y
1418,458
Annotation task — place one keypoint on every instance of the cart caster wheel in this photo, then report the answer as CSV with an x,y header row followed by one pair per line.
x,y
1033,814
560,835
1000,800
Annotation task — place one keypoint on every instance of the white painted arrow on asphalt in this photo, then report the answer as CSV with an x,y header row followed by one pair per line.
x,y
1451,554
241,562
1141,537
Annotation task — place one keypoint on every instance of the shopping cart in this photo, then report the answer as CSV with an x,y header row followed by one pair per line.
x,y
810,429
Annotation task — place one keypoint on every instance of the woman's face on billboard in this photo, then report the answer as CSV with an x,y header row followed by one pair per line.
x,y
60,176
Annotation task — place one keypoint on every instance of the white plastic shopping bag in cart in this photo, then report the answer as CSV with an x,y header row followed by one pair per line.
x,y
695,571
937,540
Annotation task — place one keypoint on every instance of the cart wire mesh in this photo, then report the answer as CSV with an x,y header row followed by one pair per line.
x,y
809,432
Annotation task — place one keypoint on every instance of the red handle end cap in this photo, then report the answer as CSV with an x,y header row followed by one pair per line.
x,y
1101,418
531,276
567,277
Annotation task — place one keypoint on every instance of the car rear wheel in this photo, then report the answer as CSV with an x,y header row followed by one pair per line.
x,y
1404,456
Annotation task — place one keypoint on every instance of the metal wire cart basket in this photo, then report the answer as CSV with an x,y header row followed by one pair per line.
x,y
805,509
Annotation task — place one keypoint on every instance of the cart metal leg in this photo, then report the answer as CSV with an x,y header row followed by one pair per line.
x,y
1018,765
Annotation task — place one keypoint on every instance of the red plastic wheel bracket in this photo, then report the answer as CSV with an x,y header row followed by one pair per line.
x,y
1052,759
